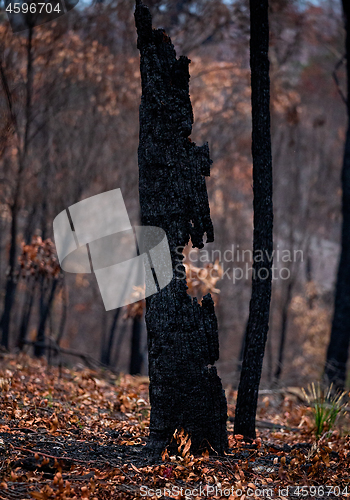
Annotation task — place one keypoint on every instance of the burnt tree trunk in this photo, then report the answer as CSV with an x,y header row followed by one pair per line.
x,y
259,309
39,346
136,358
27,311
185,390
338,349
283,332
11,280
107,347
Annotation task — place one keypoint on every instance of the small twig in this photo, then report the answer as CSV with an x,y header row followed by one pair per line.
x,y
335,77
264,424
46,455
90,361
23,429
19,448
117,467
8,94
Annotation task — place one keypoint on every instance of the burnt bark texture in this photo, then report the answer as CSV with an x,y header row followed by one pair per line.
x,y
108,346
39,346
259,309
284,327
338,348
185,390
136,357
11,280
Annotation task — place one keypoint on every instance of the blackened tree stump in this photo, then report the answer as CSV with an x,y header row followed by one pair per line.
x,y
185,390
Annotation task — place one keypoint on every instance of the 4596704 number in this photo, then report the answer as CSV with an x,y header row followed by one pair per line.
x,y
33,8
321,491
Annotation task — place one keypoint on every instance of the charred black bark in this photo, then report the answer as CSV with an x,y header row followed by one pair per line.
x,y
338,348
136,357
259,310
283,332
39,346
185,391
11,281
107,349
27,310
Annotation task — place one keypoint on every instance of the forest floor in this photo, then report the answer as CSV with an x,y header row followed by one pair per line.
x,y
80,434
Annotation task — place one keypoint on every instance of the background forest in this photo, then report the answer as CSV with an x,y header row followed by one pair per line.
x,y
73,86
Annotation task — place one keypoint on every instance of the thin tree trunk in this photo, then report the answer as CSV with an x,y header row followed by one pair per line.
x,y
259,310
241,351
269,360
185,390
27,310
107,349
136,355
39,346
15,205
11,276
104,322
313,296
338,348
119,342
64,313
283,331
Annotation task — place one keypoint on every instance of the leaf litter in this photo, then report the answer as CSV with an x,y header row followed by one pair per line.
x,y
81,434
